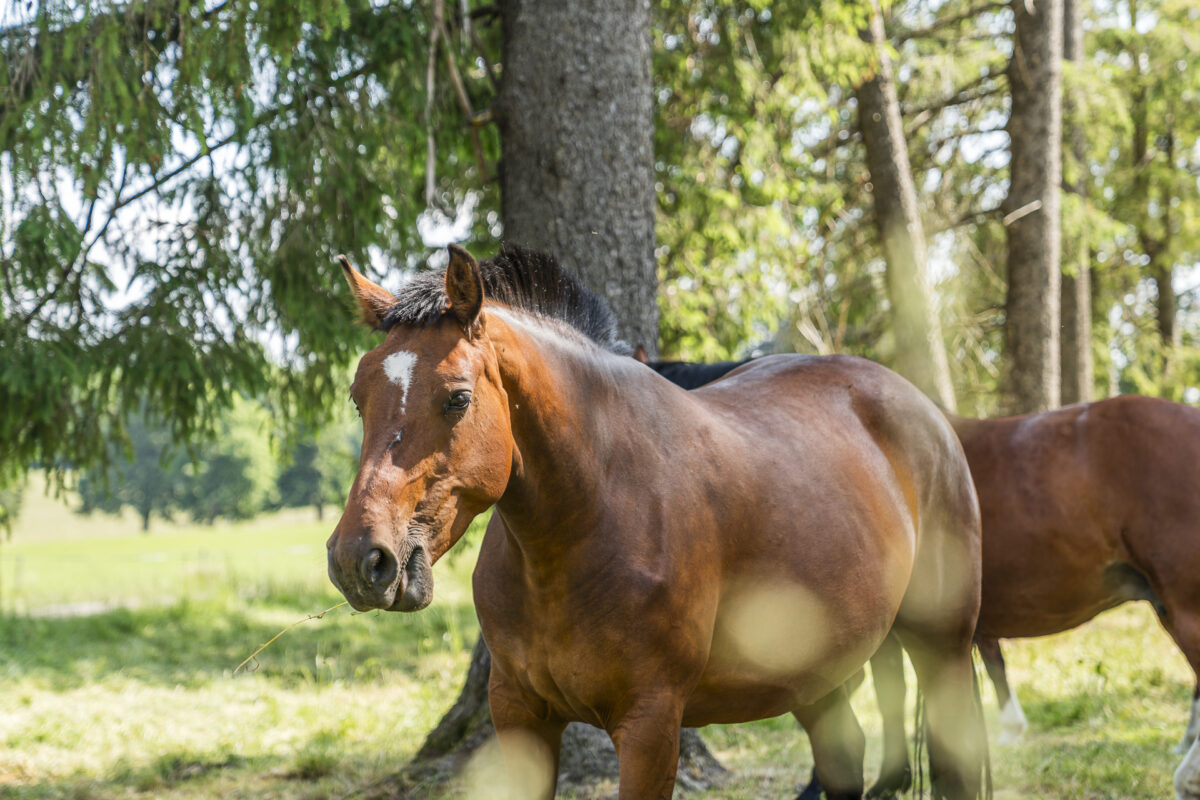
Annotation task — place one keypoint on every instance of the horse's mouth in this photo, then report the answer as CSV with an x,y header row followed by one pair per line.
x,y
415,588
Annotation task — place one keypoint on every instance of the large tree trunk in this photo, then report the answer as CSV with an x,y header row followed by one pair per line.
x,y
577,151
1032,208
920,351
1076,345
576,123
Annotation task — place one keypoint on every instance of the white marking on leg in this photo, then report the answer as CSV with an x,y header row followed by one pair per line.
x,y
1193,728
1012,721
399,368
1187,777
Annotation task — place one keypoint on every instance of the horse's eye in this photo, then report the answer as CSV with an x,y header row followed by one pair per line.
x,y
458,401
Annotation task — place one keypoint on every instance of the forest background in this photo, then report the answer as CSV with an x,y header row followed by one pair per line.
x,y
997,199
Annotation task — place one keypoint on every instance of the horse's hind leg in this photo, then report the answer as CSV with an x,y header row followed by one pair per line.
x,y
838,745
957,739
1184,628
1193,726
1012,719
887,673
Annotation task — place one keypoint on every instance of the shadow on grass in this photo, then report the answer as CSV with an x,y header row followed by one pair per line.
x,y
191,642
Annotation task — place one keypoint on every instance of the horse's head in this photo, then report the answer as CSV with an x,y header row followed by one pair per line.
x,y
437,447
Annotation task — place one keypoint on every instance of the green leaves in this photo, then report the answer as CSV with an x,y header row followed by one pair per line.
x,y
175,178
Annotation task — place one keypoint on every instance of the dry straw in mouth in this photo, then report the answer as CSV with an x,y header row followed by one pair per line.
x,y
253,656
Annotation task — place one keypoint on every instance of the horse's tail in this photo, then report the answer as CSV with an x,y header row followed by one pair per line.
x,y
920,744
978,701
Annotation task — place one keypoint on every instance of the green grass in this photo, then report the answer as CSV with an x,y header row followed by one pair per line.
x,y
140,699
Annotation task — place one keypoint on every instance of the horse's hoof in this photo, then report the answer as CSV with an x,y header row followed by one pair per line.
x,y
812,791
890,786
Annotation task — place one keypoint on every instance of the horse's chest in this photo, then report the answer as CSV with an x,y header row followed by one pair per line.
x,y
561,665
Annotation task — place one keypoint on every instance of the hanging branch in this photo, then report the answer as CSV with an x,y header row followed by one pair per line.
x,y
970,13
435,31
460,91
973,90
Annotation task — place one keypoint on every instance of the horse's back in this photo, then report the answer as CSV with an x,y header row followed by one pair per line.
x,y
849,392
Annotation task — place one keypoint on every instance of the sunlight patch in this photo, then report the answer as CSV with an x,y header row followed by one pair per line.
x,y
779,626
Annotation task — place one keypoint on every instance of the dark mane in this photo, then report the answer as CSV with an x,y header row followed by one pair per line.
x,y
520,278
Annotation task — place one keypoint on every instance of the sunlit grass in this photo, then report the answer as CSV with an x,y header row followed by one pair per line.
x,y
141,700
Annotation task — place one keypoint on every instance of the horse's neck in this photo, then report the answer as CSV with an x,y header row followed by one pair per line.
x,y
576,412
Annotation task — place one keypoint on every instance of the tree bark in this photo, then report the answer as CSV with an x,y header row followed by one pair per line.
x,y
920,350
1032,209
1156,248
1076,346
577,162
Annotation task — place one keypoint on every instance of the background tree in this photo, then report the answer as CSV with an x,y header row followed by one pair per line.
x,y
318,468
232,476
575,112
176,179
920,352
1075,345
1033,207
145,474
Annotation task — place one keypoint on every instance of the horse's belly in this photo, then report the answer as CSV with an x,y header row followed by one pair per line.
x,y
734,703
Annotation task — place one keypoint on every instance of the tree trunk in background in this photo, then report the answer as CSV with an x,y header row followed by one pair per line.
x,y
1033,206
1076,346
577,147
576,180
920,349
1156,248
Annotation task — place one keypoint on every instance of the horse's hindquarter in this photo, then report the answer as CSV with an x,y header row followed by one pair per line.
x,y
810,588
1076,503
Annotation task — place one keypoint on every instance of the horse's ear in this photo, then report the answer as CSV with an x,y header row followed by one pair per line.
x,y
640,355
464,288
373,299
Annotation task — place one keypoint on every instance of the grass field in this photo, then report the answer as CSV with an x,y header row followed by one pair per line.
x,y
117,657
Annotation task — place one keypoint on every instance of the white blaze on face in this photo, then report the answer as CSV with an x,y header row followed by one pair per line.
x,y
399,368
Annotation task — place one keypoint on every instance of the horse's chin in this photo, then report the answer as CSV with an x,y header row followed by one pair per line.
x,y
415,590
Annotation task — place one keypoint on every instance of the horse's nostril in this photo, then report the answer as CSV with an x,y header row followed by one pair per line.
x,y
378,569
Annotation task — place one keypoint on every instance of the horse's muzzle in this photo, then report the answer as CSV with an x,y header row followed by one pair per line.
x,y
380,580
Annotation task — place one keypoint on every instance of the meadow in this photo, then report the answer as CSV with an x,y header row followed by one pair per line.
x,y
118,653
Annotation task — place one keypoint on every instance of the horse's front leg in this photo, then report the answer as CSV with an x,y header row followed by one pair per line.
x,y
646,736
529,741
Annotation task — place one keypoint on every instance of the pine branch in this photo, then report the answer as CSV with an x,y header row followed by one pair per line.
x,y
970,218
464,102
972,90
970,13
76,66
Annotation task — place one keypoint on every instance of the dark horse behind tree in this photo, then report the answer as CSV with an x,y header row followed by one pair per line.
x,y
659,557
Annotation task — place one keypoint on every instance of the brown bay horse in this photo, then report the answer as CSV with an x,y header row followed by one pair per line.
x,y
658,557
